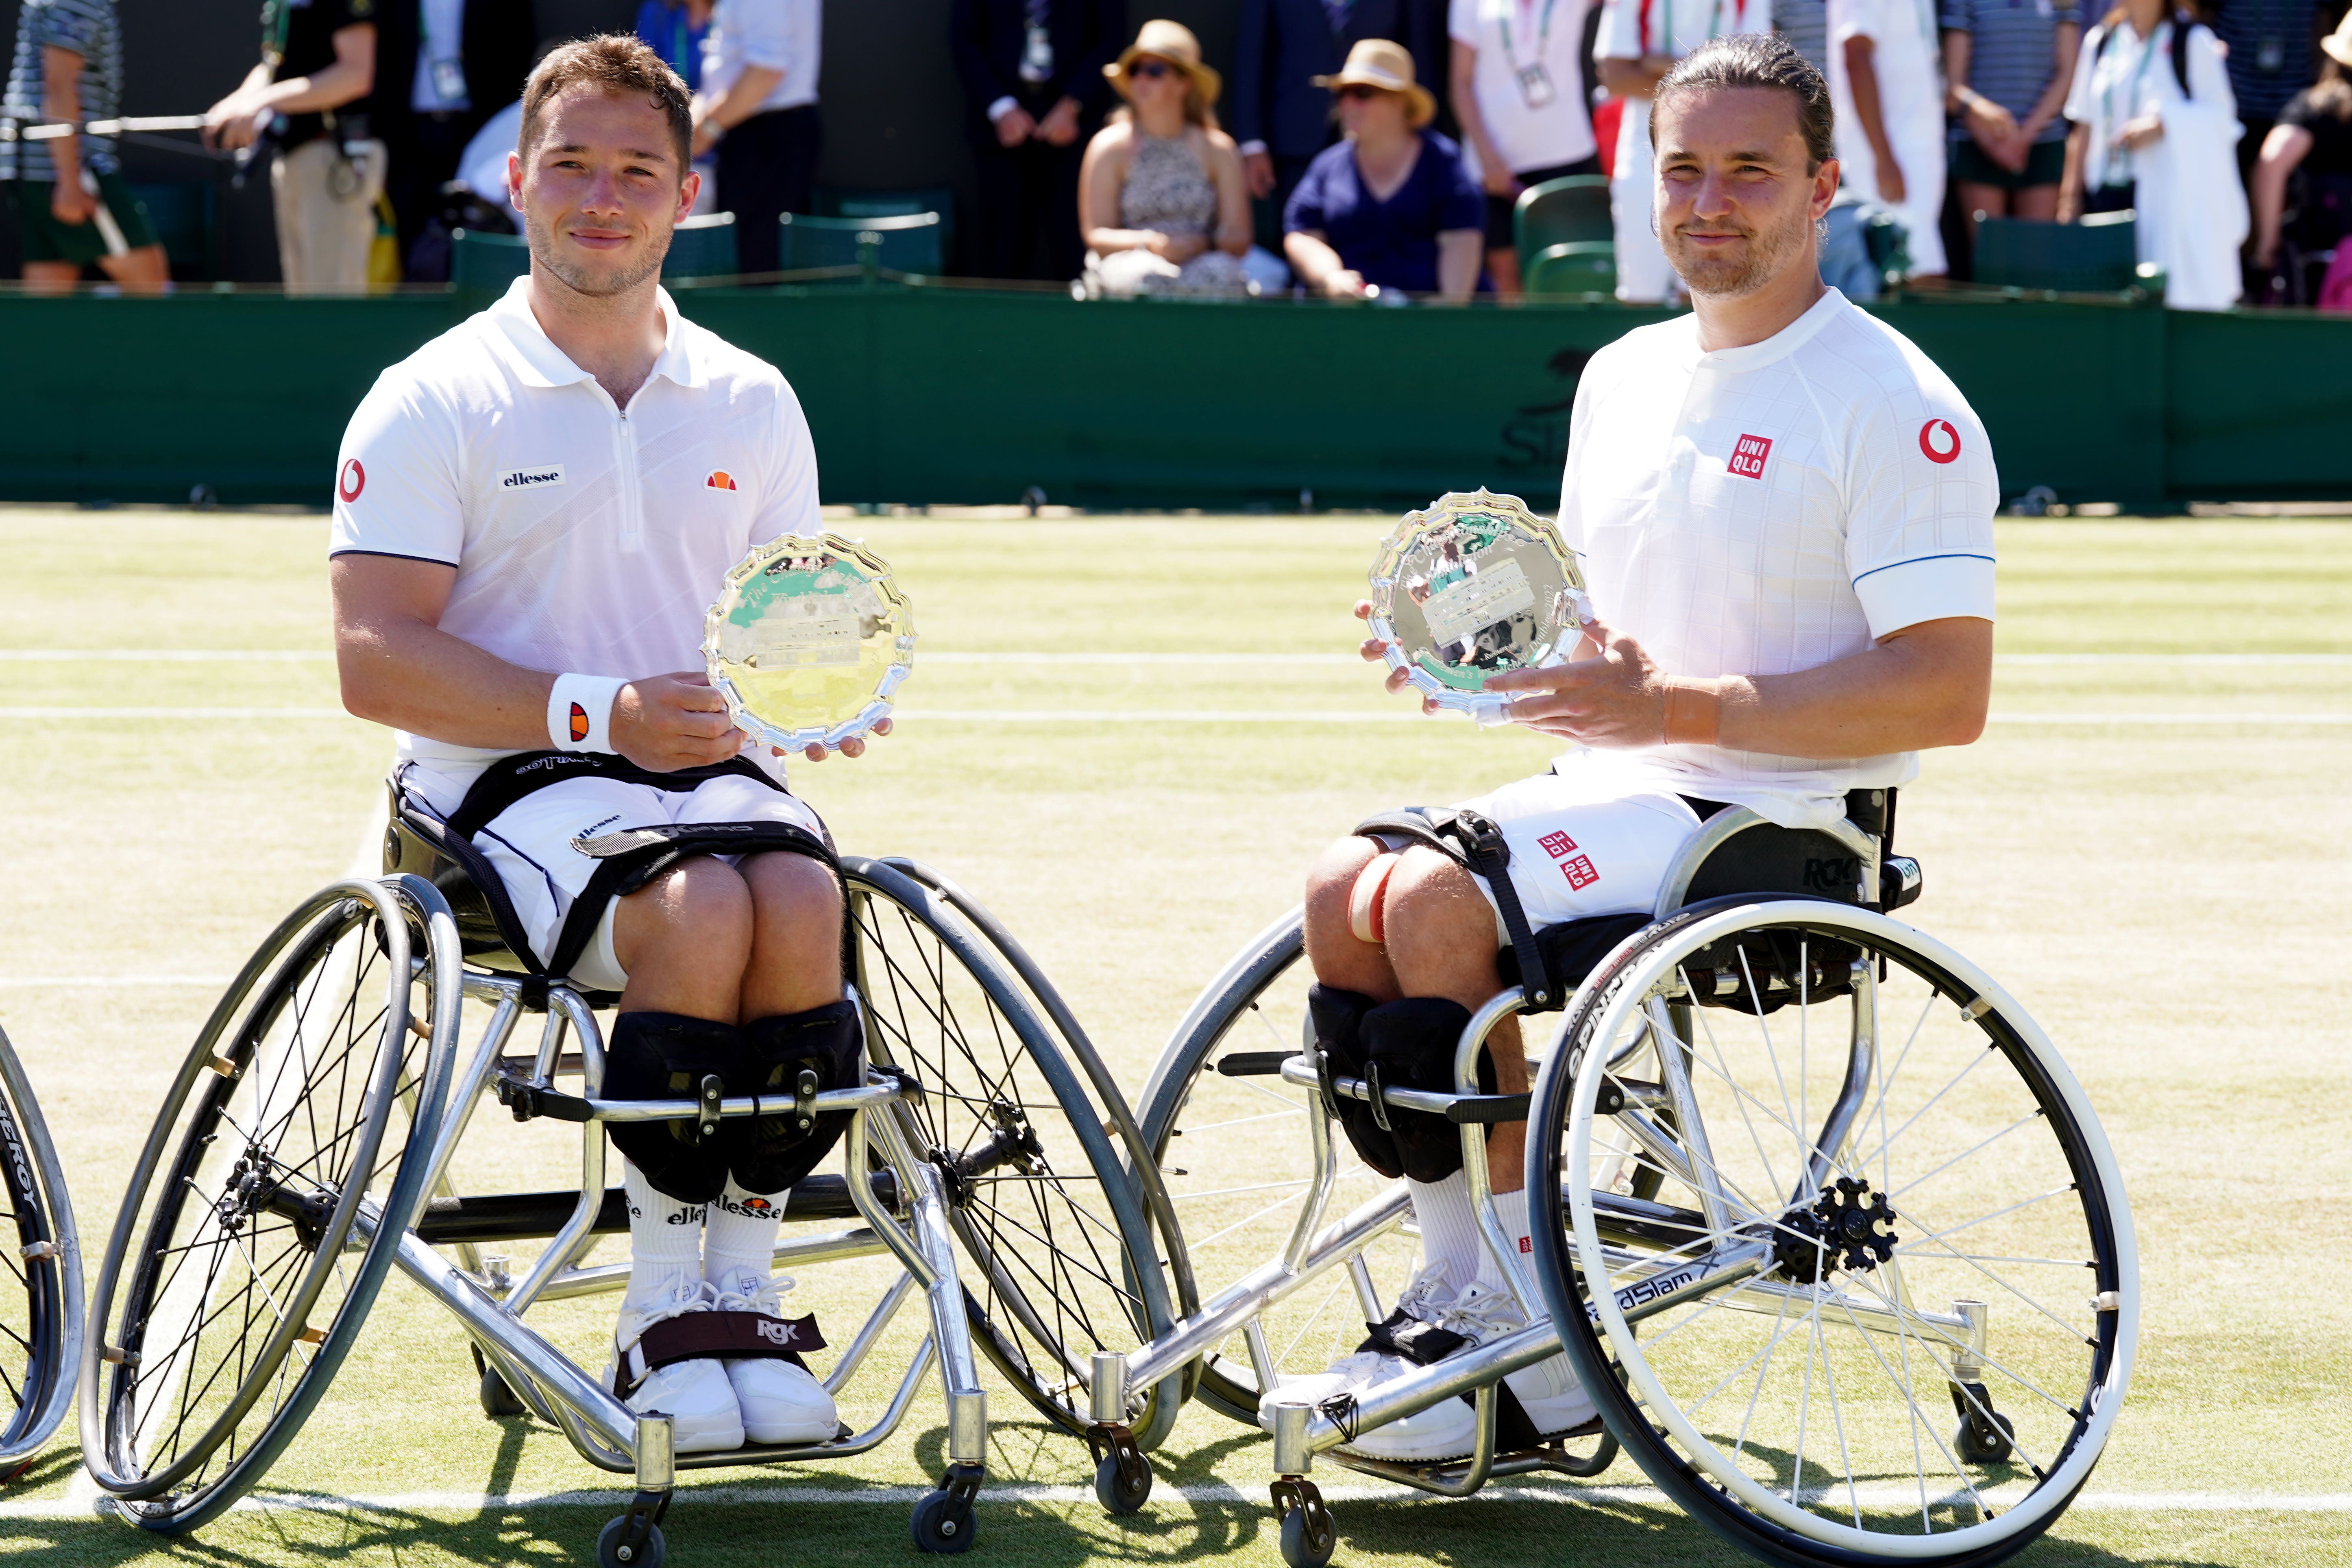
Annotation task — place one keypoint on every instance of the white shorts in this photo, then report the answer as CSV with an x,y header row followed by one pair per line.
x,y
1581,848
530,842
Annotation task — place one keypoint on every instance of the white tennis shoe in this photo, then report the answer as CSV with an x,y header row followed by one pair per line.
x,y
696,1395
1548,1392
1424,1300
781,1403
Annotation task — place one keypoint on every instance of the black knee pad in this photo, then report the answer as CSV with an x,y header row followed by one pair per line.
x,y
1413,1043
769,1154
666,1055
1339,1019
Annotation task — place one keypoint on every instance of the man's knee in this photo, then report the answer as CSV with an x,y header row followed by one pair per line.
x,y
795,889
1333,883
1432,898
700,905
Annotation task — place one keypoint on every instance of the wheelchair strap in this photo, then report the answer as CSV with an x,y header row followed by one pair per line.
x,y
630,859
510,779
1475,843
693,1336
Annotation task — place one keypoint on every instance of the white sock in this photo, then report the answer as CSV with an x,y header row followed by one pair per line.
x,y
1511,1208
1449,1231
665,1238
740,1232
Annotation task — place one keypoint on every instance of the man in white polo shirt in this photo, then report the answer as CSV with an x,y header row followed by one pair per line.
x,y
1785,515
531,514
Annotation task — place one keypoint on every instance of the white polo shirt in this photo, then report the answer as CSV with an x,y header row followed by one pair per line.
x,y
1768,508
1530,80
786,36
587,538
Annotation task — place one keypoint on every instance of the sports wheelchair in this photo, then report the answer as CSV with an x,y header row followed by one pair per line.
x,y
40,1276
305,1150
1839,1251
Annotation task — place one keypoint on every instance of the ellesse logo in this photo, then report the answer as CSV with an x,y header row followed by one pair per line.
x,y
1939,441
719,479
579,723
531,479
351,482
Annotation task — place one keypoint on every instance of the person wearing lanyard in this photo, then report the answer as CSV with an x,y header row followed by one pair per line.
x,y
1518,92
675,29
1639,43
448,66
1889,96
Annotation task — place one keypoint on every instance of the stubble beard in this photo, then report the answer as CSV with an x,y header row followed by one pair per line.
x,y
580,280
1769,253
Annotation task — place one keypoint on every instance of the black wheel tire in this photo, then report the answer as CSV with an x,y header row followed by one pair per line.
x,y
1298,1549
1982,1442
499,1402
1113,1492
943,1523
649,1555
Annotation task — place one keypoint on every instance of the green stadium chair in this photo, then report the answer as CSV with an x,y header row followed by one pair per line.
x,y
907,243
703,246
834,202
2096,256
184,214
483,264
1578,269
1569,211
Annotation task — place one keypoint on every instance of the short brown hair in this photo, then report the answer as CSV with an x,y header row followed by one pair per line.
x,y
615,63
1756,60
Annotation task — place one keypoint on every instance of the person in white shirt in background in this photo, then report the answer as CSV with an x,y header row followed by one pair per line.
x,y
2156,131
1639,43
1518,90
758,107
1886,82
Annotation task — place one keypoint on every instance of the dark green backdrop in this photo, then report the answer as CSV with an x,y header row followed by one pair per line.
x,y
945,394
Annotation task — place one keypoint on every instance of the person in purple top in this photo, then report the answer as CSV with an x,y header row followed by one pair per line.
x,y
1390,208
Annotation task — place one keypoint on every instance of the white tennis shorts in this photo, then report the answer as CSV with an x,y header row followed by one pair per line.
x,y
1580,846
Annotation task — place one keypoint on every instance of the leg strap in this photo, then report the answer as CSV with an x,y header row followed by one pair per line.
x,y
1410,1044
727,1336
666,1055
795,1057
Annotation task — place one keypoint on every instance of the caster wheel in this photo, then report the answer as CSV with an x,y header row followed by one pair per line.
x,y
648,1556
1121,1493
1984,1442
944,1522
1302,1547
498,1401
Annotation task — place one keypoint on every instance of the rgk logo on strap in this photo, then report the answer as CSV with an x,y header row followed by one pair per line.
x,y
1747,457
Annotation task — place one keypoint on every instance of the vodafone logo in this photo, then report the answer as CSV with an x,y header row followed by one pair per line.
x,y
1939,441
351,482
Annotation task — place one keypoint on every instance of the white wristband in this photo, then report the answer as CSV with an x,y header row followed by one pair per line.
x,y
579,712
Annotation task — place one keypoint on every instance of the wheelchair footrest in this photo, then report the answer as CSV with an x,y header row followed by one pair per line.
x,y
525,1217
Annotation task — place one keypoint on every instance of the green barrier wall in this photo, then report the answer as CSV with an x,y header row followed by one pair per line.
x,y
952,396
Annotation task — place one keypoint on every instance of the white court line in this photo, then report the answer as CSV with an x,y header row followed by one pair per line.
x,y
943,655
1215,1492
87,981
1162,716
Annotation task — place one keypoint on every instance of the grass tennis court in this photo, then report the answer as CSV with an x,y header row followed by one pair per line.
x,y
2148,849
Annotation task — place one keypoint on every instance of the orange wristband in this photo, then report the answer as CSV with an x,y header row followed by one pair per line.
x,y
1694,712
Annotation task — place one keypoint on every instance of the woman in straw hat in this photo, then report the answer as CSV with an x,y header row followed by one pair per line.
x,y
1391,208
2313,133
1163,201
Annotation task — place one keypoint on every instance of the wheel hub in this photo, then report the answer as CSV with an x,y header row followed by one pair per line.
x,y
1848,1227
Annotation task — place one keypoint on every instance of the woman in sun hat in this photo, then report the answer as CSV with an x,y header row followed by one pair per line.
x,y
1390,208
1162,202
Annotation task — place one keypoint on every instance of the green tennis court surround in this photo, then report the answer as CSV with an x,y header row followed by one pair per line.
x,y
947,395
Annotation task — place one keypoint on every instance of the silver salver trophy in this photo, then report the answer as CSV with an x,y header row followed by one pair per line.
x,y
809,639
1474,585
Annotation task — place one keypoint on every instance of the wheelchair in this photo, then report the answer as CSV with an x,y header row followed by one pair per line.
x,y
1839,1251
40,1277
304,1151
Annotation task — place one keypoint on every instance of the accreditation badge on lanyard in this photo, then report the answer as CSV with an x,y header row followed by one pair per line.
x,y
1535,85
1535,79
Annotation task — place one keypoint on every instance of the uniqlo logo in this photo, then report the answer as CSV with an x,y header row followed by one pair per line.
x,y
1525,1246
1557,845
1748,457
1580,872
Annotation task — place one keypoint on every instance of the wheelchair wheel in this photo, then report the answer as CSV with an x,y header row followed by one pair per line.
x,y
240,1268
1882,1301
1235,1151
1056,1227
40,1277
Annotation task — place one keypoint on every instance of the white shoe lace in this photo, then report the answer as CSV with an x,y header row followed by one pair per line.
x,y
680,1296
745,1292
1479,1314
1420,1299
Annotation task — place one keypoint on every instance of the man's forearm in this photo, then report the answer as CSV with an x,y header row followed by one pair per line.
x,y
61,104
1862,81
743,97
401,672
329,88
1925,685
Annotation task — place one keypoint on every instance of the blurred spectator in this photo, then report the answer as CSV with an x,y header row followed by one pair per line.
x,y
2008,69
476,200
1890,116
675,29
71,203
758,107
1281,118
309,98
2314,135
2156,131
1640,42
2269,60
1162,201
1806,24
1033,79
444,68
1390,208
1518,92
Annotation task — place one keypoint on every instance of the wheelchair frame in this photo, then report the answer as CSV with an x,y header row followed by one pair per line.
x,y
50,1264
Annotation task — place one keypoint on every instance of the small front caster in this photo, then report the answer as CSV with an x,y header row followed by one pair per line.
x,y
1308,1533
1122,1475
1984,1436
498,1401
943,1520
612,1552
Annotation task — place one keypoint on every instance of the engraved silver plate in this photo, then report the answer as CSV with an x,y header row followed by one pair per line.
x,y
808,641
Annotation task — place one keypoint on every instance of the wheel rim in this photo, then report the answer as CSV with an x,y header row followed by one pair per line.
x,y
29,1306
1968,1129
247,1256
1052,1241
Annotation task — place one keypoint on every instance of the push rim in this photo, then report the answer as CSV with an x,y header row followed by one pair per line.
x,y
32,1309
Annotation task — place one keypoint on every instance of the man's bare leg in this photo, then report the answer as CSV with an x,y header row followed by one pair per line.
x,y
683,939
1338,958
794,961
